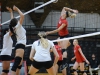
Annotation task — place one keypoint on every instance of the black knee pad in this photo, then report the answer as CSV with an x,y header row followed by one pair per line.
x,y
19,67
16,63
5,71
74,70
63,50
82,72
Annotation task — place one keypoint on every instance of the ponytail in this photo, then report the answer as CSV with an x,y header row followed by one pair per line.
x,y
11,29
43,41
12,24
70,14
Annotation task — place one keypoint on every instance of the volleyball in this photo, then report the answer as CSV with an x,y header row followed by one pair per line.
x,y
55,1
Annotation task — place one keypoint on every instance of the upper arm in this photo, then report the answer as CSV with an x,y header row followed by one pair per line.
x,y
63,11
32,50
55,51
21,19
80,50
61,27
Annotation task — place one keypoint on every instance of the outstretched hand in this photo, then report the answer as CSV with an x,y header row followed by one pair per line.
x,y
72,59
87,62
9,9
47,33
15,8
75,11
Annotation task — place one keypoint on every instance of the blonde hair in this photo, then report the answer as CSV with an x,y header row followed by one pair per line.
x,y
76,40
43,41
71,15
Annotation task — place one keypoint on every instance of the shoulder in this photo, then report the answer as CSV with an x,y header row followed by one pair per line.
x,y
64,21
51,43
77,46
18,24
36,41
7,34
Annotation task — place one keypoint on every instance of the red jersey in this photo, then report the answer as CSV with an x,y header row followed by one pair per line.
x,y
78,56
63,31
59,50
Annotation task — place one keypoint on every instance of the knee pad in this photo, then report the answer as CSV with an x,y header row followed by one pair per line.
x,y
74,70
63,50
19,67
16,63
82,72
5,71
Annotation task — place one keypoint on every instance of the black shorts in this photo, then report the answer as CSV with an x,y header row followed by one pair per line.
x,y
46,64
20,46
65,36
5,58
59,63
64,50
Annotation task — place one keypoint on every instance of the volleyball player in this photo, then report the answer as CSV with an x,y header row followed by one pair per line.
x,y
40,55
7,48
17,28
6,51
59,63
63,31
80,58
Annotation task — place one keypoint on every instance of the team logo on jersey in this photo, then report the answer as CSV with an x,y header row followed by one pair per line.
x,y
59,48
74,51
59,22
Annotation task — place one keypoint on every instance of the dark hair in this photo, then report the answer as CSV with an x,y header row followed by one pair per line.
x,y
12,24
67,14
55,43
5,30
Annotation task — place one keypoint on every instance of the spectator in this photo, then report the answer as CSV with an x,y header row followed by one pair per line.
x,y
94,65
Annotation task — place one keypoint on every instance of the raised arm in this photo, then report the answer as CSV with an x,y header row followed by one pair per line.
x,y
11,12
68,9
20,13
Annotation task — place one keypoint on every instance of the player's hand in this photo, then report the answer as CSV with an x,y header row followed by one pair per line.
x,y
47,32
87,62
15,8
72,59
9,9
31,58
75,11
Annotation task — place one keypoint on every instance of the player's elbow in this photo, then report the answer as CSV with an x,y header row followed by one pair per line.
x,y
57,56
65,8
22,16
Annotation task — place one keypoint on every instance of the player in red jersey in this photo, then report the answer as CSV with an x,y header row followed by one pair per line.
x,y
59,63
63,31
80,58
